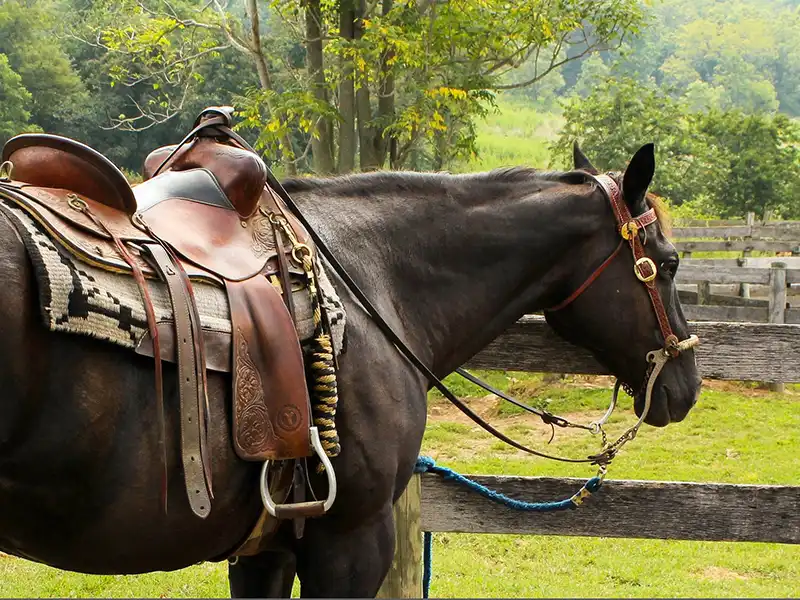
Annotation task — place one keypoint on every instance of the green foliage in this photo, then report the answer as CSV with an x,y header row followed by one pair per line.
x,y
29,39
14,102
726,162
431,66
736,54
760,158
619,116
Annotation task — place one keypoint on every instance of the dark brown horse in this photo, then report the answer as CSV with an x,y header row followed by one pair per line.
x,y
449,261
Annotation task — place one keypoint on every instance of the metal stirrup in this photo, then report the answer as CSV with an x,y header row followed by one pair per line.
x,y
316,444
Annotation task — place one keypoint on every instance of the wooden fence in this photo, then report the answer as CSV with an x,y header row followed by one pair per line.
x,y
735,279
623,509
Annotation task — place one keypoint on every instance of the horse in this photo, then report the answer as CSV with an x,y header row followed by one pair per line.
x,y
449,261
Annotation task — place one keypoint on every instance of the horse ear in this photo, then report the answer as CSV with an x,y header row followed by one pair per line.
x,y
638,176
581,162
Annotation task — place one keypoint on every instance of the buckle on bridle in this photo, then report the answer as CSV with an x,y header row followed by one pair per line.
x,y
629,230
640,274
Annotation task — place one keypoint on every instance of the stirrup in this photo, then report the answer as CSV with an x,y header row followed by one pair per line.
x,y
315,508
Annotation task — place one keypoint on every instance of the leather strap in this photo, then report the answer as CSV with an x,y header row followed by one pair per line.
x,y
299,495
82,207
590,279
644,268
198,345
283,270
191,418
387,330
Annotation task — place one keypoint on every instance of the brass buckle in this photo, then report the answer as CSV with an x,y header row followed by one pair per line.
x,y
629,230
637,268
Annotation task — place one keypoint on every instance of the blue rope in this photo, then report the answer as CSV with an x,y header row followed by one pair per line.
x,y
425,464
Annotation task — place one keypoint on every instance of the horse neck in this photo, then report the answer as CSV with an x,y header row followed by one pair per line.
x,y
453,261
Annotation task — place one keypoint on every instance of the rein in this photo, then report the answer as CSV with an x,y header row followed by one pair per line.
x,y
644,269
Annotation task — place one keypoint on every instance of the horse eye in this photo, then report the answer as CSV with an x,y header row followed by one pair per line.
x,y
670,266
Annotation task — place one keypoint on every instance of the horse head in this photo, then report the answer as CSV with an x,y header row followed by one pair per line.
x,y
624,305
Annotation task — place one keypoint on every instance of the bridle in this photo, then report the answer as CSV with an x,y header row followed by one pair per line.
x,y
645,270
631,230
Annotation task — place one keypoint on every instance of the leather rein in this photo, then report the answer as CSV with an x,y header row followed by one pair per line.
x,y
644,269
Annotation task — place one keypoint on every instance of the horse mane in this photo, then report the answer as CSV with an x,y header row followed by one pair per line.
x,y
378,182
366,184
662,212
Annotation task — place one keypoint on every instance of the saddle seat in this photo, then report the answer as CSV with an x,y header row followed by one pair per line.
x,y
204,211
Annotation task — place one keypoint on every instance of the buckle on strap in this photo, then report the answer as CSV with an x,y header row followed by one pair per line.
x,y
629,230
645,269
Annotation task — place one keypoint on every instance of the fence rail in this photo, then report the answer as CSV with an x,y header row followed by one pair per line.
x,y
732,351
623,509
687,247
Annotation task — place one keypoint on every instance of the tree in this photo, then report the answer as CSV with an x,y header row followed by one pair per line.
x,y
740,53
619,115
731,161
397,82
593,73
761,159
34,51
14,102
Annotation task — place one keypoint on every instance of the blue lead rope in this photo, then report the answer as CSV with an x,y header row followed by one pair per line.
x,y
425,464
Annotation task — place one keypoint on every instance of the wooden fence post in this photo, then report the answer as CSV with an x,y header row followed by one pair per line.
x,y
744,288
404,579
777,305
703,292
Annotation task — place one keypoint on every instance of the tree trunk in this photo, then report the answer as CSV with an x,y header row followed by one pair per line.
x,y
368,155
321,145
251,6
347,93
386,102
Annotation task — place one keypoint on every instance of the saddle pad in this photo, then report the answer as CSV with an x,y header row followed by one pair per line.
x,y
75,297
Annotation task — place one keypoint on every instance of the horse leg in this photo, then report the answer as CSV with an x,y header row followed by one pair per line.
x,y
334,562
269,574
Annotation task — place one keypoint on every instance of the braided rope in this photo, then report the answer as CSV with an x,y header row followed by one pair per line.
x,y
319,355
321,372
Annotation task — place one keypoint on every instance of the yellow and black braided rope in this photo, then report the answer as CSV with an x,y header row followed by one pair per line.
x,y
322,374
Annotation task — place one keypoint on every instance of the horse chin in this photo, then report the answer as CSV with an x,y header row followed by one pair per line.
x,y
665,406
659,413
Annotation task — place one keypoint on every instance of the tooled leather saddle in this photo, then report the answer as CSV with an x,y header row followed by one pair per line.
x,y
203,212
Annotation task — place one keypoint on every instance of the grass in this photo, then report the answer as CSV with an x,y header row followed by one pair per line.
x,y
515,135
736,433
741,436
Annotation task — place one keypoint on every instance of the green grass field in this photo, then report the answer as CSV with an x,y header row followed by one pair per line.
x,y
515,135
736,433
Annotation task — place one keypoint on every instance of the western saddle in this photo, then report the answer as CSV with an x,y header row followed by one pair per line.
x,y
204,212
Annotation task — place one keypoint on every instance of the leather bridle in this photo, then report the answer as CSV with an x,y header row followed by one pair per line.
x,y
644,268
